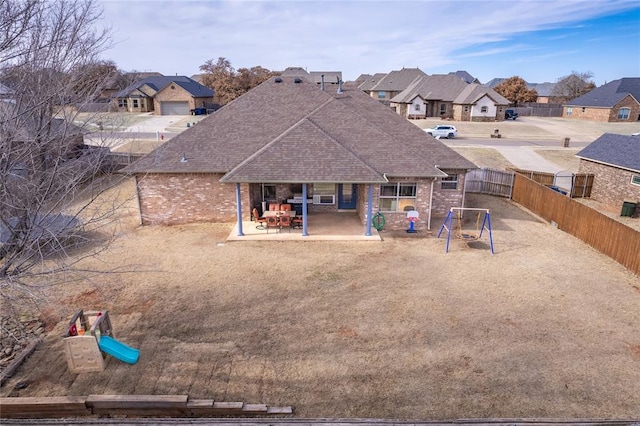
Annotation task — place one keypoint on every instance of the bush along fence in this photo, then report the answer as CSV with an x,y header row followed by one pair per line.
x,y
608,236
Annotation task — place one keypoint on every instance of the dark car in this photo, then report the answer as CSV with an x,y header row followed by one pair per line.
x,y
510,114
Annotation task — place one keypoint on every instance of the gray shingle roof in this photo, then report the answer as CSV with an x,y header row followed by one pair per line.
x,y
159,82
474,92
465,76
616,150
433,87
296,132
608,95
371,81
396,81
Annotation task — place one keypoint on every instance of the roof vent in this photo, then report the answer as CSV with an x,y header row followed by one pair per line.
x,y
297,81
184,158
278,80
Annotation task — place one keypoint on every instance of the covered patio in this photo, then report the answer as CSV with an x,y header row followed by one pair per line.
x,y
323,226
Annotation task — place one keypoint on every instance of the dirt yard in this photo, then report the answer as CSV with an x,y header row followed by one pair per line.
x,y
546,327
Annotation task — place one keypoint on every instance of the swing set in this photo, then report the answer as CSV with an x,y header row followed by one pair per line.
x,y
465,234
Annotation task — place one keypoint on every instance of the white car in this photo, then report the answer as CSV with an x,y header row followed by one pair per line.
x,y
442,131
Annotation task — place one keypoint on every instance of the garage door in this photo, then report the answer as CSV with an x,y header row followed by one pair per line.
x,y
174,108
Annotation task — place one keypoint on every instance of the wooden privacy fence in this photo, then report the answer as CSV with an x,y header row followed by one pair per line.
x,y
581,183
122,159
489,181
610,237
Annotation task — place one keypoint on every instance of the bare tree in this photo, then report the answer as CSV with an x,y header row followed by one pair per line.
x,y
573,85
50,182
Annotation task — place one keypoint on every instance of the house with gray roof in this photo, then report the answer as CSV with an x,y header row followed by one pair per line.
x,y
289,141
366,81
449,96
393,83
615,161
616,101
163,95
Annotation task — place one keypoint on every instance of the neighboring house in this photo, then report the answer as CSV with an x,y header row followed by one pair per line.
x,y
164,95
615,161
477,102
393,83
288,139
616,101
6,92
366,81
435,96
330,78
468,78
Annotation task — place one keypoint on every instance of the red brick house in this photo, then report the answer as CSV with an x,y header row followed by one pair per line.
x,y
288,140
163,95
616,101
615,162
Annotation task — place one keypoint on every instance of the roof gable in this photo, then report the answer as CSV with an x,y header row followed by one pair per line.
x,y
617,150
471,94
397,81
440,87
159,82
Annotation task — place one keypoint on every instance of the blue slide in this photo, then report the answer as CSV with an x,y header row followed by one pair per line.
x,y
119,350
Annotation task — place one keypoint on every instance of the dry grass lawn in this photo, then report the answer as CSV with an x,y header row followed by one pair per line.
x,y
546,327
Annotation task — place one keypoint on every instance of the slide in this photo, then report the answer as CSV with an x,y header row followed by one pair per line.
x,y
118,350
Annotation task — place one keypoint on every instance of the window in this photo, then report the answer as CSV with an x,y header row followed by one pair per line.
x,y
122,103
324,193
416,107
623,113
382,94
394,197
268,192
635,180
443,109
466,108
569,111
484,109
450,182
135,103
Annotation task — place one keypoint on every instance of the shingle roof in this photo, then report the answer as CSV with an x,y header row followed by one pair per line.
x,y
330,77
159,82
474,92
465,76
608,95
433,87
296,132
371,81
616,150
396,81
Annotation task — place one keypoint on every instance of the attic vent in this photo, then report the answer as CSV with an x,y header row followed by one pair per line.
x,y
297,81
278,80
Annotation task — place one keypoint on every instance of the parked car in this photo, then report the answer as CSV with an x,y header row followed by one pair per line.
x,y
442,131
510,114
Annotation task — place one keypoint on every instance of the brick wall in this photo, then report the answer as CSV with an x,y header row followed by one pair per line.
x,y
611,185
604,114
172,199
443,200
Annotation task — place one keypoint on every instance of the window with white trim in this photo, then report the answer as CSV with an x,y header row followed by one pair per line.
x,y
569,111
623,113
416,107
443,109
324,193
635,180
450,182
382,94
484,109
395,197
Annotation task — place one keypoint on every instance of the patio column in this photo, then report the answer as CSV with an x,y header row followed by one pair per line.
x,y
239,210
304,210
369,211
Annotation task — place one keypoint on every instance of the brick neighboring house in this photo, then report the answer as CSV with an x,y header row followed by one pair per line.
x,y
616,101
449,96
615,161
163,95
390,85
288,139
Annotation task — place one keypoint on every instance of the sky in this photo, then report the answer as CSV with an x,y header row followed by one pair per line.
x,y
540,41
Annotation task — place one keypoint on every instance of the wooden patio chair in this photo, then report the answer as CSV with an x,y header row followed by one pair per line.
x,y
260,221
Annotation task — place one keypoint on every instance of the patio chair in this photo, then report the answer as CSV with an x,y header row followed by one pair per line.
x,y
296,222
272,222
285,207
274,207
260,221
285,221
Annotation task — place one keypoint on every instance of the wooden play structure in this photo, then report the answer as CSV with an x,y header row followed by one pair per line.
x,y
89,338
467,235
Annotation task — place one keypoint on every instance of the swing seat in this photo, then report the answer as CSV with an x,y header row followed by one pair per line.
x,y
467,236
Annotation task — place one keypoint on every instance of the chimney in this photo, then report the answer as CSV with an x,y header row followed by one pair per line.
x,y
322,82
